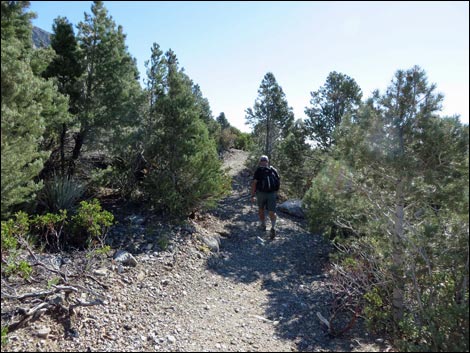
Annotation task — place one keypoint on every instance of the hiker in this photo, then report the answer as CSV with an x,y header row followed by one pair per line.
x,y
264,186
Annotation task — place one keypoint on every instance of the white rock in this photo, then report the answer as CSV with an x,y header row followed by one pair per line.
x,y
43,332
293,208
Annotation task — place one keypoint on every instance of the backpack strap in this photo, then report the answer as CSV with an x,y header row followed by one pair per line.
x,y
275,171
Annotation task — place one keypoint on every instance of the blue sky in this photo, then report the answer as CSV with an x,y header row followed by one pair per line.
x,y
227,47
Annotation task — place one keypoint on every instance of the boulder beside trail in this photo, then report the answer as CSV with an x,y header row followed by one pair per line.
x,y
293,208
125,258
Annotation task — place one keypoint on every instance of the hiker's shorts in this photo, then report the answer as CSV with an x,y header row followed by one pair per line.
x,y
266,200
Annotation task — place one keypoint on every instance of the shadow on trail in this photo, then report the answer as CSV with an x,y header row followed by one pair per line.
x,y
290,268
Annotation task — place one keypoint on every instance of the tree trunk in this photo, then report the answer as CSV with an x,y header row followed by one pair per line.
x,y
267,148
79,140
62,149
398,237
397,255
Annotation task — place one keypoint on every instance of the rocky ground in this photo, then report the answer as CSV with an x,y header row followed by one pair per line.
x,y
214,283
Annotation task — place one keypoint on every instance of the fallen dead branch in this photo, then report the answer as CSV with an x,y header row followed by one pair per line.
x,y
58,300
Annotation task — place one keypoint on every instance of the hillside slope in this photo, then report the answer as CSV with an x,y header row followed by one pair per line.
x,y
248,294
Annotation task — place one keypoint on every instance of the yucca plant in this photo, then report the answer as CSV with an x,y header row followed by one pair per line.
x,y
61,193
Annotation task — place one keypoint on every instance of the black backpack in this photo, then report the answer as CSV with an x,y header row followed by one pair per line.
x,y
269,181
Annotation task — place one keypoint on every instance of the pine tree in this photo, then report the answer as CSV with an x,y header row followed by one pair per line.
x,y
293,155
16,24
222,120
29,105
413,166
339,96
400,179
155,78
66,66
185,173
67,70
271,117
111,91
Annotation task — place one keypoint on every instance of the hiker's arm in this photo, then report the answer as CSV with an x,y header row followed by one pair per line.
x,y
253,187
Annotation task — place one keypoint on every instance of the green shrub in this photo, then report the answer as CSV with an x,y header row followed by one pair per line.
x,y
163,242
377,310
442,327
120,176
14,234
243,141
197,183
61,193
50,228
53,282
22,268
327,201
55,230
91,224
4,335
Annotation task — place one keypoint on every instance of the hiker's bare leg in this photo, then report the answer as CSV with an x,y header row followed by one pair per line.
x,y
273,217
261,215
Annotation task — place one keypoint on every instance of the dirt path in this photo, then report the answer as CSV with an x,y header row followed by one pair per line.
x,y
252,295
279,286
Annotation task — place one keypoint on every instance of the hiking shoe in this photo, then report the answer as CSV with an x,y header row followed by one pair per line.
x,y
273,233
262,227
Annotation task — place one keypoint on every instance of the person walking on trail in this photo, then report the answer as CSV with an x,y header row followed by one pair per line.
x,y
264,187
